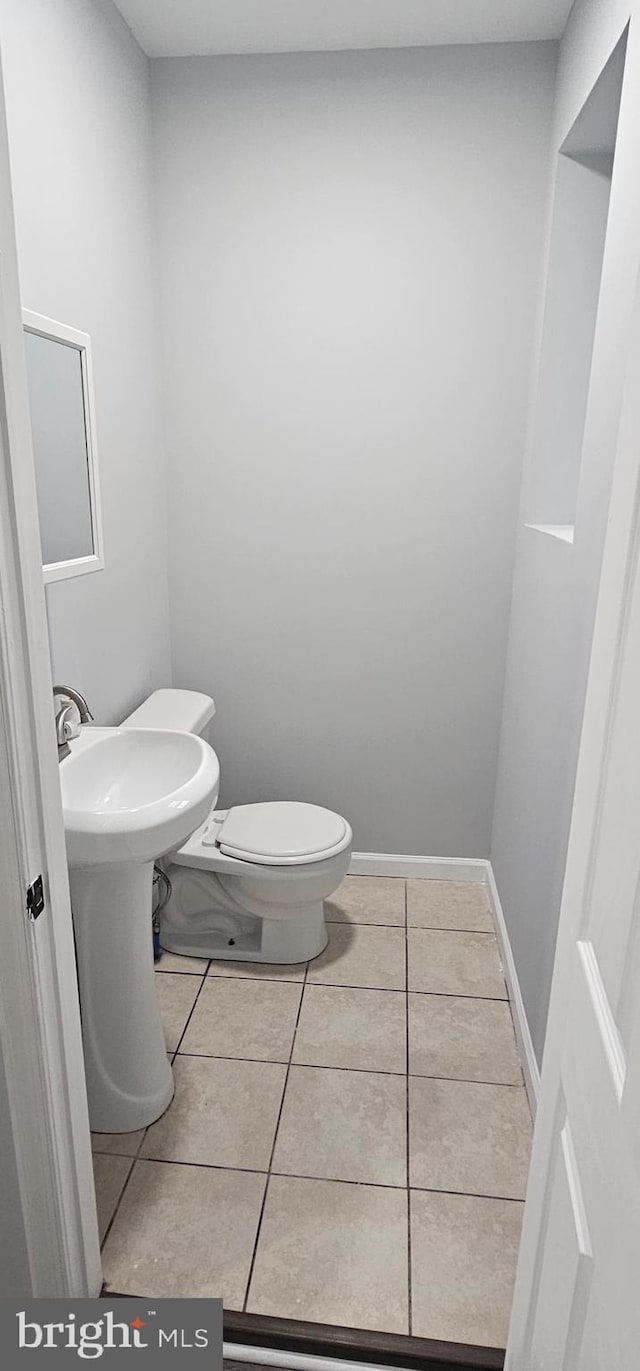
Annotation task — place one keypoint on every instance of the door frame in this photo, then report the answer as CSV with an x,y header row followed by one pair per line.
x,y
40,1035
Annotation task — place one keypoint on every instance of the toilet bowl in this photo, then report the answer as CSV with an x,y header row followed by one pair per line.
x,y
249,884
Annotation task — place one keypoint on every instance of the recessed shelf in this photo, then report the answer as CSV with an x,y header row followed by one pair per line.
x,y
564,532
574,270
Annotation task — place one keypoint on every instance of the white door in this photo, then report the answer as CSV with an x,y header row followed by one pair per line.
x,y
577,1298
47,1202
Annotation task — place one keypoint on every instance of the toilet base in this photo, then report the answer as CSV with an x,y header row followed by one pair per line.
x,y
229,936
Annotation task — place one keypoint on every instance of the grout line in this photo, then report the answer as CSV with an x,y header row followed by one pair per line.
x,y
413,928
460,995
324,1066
178,970
363,923
331,1180
340,985
379,989
214,976
389,989
340,1180
118,1202
189,1017
408,1152
205,1166
273,1146
442,928
136,1157
307,1066
471,1194
253,1171
400,990
368,989
467,1080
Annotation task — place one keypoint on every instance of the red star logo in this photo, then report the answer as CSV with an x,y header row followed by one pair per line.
x,y
138,1322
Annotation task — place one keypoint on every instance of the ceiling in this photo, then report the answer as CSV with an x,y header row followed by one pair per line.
x,y
185,28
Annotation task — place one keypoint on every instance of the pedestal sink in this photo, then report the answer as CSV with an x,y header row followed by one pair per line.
x,y
129,796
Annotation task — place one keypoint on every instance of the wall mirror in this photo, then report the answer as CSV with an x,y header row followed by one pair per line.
x,y
64,446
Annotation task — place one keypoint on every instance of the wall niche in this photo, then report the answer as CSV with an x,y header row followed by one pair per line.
x,y
578,232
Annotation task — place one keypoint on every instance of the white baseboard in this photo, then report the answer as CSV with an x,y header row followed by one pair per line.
x,y
527,1055
430,868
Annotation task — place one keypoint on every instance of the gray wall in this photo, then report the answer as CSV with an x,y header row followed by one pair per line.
x,y
350,248
555,583
78,111
544,697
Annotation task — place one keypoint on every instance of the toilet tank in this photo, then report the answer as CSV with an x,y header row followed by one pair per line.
x,y
186,711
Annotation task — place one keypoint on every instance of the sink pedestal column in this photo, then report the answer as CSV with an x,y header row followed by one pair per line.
x,y
129,1078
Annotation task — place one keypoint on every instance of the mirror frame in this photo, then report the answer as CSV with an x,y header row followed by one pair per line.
x,y
72,337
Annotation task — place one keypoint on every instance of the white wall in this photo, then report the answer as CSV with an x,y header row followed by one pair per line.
x,y
555,584
349,250
79,131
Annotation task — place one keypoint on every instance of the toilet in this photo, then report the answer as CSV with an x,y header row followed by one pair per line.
x,y
249,884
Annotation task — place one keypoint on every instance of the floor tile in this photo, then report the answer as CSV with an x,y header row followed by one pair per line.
x,y
367,900
176,997
343,1126
462,1039
361,955
455,963
469,1137
224,1113
361,1029
117,1144
191,966
109,1174
184,1231
463,1256
333,1241
332,1253
259,971
449,904
235,1018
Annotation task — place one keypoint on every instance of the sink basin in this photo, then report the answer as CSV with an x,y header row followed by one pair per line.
x,y
131,794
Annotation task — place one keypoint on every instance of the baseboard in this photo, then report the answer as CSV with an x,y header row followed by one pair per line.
x,y
430,868
527,1055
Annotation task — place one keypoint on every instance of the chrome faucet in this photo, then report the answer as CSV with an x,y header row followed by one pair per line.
x,y
86,717
67,725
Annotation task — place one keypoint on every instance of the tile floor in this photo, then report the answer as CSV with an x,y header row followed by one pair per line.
x,y
349,1141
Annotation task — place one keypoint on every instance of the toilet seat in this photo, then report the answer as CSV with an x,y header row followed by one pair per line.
x,y
278,833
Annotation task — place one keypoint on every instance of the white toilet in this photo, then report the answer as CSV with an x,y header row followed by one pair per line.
x,y
249,884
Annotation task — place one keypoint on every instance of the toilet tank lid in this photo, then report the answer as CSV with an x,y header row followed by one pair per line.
x,y
186,711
